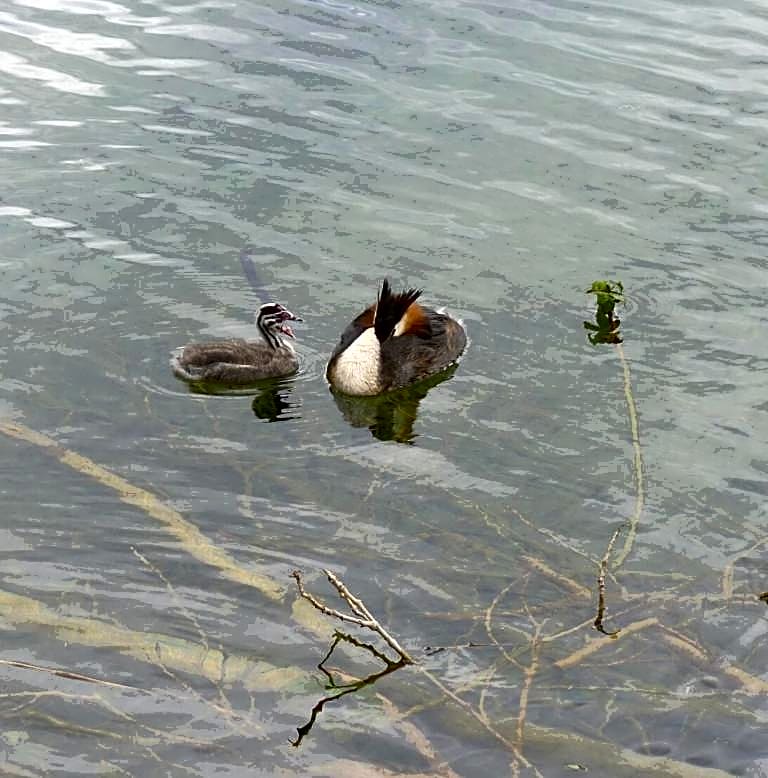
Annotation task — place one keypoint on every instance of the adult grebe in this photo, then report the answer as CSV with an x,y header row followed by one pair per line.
x,y
393,343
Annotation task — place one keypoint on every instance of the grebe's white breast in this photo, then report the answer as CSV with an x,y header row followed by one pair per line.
x,y
356,370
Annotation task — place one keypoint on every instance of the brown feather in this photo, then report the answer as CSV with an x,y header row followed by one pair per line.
x,y
367,317
415,322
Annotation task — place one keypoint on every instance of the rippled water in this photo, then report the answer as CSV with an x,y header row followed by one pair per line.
x,y
503,155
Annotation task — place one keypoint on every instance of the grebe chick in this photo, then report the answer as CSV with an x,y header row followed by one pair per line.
x,y
393,343
242,361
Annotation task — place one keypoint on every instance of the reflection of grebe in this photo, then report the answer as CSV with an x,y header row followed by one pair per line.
x,y
393,343
390,416
241,361
274,402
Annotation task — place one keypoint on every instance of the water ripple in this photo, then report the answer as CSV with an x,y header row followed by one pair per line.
x,y
20,68
500,153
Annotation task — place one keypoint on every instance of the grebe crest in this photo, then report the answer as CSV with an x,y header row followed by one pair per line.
x,y
393,343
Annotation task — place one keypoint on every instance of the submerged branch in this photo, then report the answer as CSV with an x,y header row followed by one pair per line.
x,y
189,536
68,674
593,646
729,571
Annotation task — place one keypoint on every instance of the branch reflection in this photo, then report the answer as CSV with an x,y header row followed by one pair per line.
x,y
342,689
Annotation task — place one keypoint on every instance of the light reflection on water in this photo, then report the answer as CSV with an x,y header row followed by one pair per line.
x,y
501,155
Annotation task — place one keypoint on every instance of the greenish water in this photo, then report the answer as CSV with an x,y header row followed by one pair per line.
x,y
503,155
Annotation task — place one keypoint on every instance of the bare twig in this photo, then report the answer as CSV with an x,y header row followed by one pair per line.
x,y
521,648
729,573
598,623
72,676
637,461
362,618
528,678
488,622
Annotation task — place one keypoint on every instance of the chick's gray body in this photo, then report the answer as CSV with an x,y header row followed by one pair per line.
x,y
240,361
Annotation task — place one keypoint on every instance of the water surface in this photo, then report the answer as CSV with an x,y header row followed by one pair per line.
x,y
503,155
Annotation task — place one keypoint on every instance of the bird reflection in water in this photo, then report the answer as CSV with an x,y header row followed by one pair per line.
x,y
390,416
276,403
273,399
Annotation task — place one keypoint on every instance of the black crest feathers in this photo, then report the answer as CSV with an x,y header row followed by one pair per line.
x,y
390,308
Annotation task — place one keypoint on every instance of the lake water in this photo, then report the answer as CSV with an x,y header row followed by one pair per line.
x,y
500,154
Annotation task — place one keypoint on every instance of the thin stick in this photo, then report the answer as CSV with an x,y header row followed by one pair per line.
x,y
598,623
528,676
65,674
488,623
637,461
363,617
729,570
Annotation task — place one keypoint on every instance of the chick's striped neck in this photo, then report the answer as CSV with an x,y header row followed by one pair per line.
x,y
267,323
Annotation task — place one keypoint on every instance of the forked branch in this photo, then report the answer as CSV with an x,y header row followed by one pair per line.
x,y
363,617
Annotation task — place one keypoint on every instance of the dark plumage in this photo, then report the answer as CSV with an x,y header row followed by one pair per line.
x,y
392,344
240,361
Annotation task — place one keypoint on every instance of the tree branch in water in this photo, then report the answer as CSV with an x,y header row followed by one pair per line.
x,y
363,617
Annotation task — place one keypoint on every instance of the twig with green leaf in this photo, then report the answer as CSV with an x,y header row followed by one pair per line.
x,y
605,330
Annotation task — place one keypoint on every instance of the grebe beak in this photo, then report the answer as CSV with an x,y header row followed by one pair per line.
x,y
285,317
288,316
